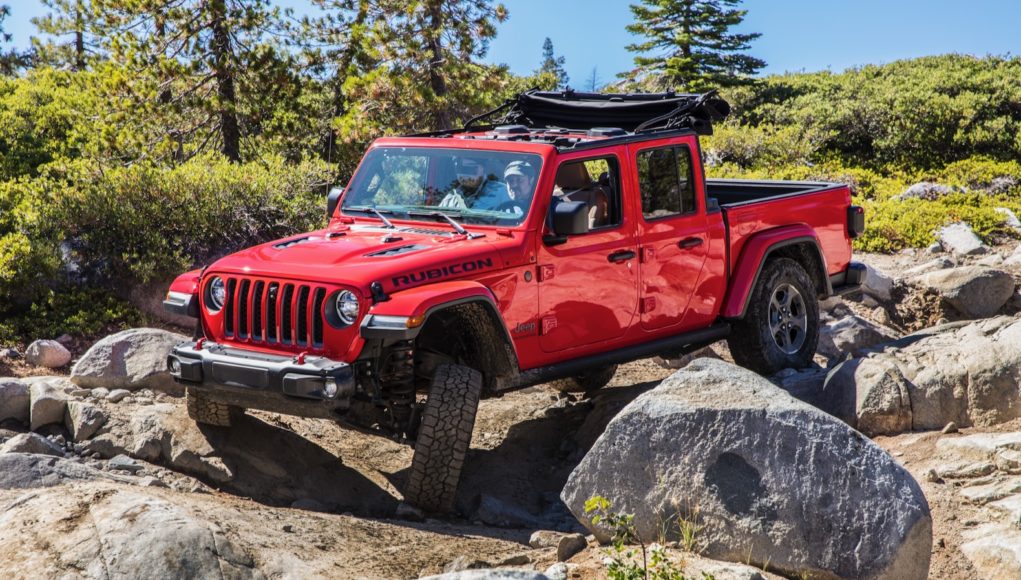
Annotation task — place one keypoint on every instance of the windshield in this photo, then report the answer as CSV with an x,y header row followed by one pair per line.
x,y
471,186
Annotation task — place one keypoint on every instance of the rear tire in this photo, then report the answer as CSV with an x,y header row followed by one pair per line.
x,y
781,326
444,437
589,382
205,411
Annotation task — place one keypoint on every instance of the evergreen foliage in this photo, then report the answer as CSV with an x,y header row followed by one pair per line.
x,y
690,45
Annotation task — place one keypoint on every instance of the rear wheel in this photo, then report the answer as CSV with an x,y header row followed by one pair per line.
x,y
204,410
781,327
443,437
589,382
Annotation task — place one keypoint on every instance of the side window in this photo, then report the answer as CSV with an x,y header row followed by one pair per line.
x,y
666,183
596,182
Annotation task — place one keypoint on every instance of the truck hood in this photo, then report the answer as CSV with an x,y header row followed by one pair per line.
x,y
359,255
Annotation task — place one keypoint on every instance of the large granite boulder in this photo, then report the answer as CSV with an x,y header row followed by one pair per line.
x,y
975,291
773,482
110,533
131,359
966,373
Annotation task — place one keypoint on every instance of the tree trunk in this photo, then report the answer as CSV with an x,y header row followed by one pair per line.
x,y
346,58
161,34
224,74
79,39
436,81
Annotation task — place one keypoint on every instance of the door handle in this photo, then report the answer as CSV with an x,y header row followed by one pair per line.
x,y
688,243
621,256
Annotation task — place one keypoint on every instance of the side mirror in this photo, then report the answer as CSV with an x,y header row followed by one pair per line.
x,y
570,218
332,199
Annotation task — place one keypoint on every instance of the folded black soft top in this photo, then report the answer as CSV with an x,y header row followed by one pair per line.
x,y
630,112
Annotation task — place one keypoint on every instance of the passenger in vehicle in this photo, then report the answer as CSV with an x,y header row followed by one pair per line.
x,y
520,179
474,189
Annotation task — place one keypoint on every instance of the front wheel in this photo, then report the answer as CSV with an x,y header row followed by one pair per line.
x,y
781,326
206,411
443,437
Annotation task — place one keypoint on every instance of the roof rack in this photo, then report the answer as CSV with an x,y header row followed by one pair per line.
x,y
630,112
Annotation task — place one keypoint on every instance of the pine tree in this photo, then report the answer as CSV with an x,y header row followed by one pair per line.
x,y
697,50
73,30
10,59
553,65
208,71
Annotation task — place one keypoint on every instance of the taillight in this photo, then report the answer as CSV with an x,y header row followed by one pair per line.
x,y
855,221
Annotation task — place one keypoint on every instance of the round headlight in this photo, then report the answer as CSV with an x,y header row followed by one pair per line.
x,y
217,293
347,307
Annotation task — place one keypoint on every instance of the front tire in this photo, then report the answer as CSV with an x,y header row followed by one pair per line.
x,y
444,437
206,411
781,326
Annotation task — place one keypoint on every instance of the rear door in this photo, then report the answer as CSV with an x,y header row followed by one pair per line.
x,y
588,285
672,231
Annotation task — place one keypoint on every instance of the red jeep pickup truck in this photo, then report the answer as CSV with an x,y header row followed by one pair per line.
x,y
576,233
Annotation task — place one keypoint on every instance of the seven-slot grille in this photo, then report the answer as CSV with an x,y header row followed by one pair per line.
x,y
274,312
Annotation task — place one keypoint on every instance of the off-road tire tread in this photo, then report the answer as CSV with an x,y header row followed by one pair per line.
x,y
589,382
750,342
443,438
203,410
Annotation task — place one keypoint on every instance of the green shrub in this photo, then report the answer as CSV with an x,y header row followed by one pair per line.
x,y
90,313
143,222
893,225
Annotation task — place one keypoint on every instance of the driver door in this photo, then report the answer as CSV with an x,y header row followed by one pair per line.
x,y
588,284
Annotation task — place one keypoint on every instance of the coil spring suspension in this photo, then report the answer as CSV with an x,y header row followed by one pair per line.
x,y
397,374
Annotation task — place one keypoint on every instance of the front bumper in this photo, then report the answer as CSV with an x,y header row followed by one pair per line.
x,y
308,386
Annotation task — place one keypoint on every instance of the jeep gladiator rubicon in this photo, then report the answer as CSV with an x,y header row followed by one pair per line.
x,y
576,233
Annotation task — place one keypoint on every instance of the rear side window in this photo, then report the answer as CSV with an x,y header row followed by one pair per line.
x,y
665,180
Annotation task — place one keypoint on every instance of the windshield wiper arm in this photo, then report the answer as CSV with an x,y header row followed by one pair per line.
x,y
454,223
366,209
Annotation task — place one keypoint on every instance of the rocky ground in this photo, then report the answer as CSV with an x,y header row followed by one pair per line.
x,y
99,474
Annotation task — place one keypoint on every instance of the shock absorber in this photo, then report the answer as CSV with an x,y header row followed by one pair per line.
x,y
397,374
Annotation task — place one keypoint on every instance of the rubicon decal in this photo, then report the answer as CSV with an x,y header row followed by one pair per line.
x,y
442,272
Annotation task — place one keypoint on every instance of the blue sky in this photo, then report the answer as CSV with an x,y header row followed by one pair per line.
x,y
797,35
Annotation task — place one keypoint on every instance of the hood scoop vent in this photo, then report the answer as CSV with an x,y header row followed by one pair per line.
x,y
397,251
426,231
294,242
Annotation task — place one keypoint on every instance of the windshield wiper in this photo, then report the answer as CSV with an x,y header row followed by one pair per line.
x,y
454,223
379,213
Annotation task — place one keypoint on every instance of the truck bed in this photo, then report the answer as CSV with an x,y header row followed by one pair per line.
x,y
750,207
732,192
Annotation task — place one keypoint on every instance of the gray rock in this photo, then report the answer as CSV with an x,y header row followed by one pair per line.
x,y
545,539
994,550
83,420
773,480
31,443
123,534
877,284
991,261
934,248
125,463
930,266
47,404
969,374
959,239
99,393
558,571
1009,217
569,545
132,359
9,353
852,335
118,395
33,471
975,291
14,400
925,190
47,353
489,574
